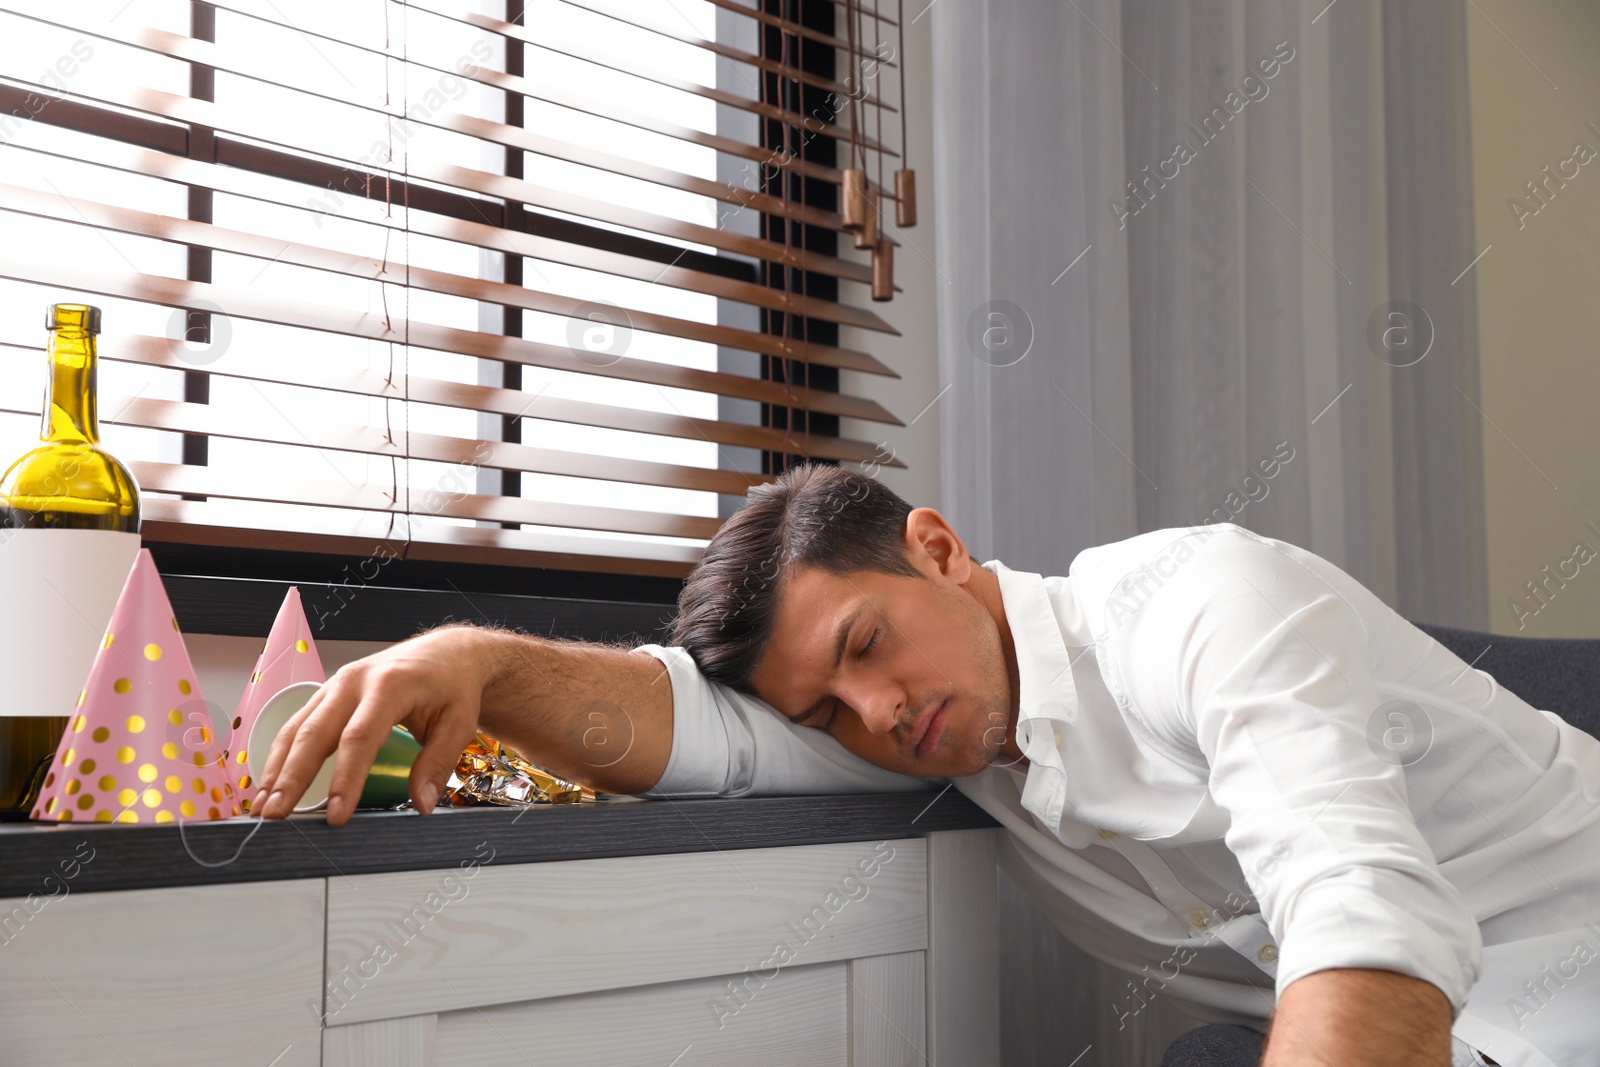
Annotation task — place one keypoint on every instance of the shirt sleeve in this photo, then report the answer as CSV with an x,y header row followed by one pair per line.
x,y
1266,665
727,744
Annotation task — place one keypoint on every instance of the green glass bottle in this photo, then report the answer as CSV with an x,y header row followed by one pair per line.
x,y
69,523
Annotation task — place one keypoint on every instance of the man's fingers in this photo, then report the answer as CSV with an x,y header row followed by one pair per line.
x,y
441,751
282,743
353,714
358,747
280,746
308,739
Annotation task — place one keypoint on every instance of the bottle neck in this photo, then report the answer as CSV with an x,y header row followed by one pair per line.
x,y
70,414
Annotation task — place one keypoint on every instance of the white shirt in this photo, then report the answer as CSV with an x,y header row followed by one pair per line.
x,y
1243,767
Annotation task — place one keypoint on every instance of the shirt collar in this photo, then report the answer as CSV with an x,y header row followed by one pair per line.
x,y
1047,695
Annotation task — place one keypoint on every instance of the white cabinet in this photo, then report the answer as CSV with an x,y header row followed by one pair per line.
x,y
863,954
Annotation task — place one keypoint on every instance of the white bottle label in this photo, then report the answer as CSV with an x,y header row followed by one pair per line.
x,y
57,592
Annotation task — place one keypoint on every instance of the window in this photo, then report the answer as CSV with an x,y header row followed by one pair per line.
x,y
478,281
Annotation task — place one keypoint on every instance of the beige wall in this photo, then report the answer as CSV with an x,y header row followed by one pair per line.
x,y
915,353
1539,307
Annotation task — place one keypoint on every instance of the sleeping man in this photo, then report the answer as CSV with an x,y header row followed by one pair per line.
x,y
1222,763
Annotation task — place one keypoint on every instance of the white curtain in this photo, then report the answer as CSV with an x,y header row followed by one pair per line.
x,y
1140,335
1212,329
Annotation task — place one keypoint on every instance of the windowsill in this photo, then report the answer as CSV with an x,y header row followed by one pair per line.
x,y
305,846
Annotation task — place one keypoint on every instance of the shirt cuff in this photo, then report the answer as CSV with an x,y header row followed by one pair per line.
x,y
1383,927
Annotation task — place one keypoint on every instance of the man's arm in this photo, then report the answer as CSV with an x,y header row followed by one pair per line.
x,y
597,715
637,722
1359,1016
1252,655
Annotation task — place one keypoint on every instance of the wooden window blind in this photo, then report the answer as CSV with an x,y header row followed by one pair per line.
x,y
458,281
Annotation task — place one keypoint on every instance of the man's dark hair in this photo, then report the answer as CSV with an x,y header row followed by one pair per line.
x,y
826,517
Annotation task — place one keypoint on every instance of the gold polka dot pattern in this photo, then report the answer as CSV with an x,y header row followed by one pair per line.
x,y
131,753
288,656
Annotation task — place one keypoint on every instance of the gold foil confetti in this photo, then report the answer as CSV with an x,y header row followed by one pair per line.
x,y
490,773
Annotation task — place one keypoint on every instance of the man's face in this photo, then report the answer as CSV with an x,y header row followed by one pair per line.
x,y
907,673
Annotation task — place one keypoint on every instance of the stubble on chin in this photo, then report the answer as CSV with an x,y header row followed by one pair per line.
x,y
985,738
981,746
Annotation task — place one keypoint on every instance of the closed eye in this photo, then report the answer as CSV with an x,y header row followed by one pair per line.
x,y
833,710
833,713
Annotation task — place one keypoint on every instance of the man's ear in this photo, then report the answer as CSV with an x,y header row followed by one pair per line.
x,y
933,547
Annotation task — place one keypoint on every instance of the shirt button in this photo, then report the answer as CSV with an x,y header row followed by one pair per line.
x,y
1109,835
1199,919
1269,952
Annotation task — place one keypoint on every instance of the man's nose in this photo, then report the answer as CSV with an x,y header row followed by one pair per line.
x,y
880,710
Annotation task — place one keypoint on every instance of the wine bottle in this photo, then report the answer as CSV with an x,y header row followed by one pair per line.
x,y
69,534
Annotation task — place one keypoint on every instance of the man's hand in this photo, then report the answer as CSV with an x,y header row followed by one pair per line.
x,y
431,684
597,715
1350,1017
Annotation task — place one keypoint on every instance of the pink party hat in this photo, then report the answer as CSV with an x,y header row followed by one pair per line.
x,y
140,747
290,656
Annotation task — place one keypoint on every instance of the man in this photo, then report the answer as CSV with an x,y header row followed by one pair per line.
x,y
1224,764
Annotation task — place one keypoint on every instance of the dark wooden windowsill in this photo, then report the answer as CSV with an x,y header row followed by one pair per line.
x,y
242,850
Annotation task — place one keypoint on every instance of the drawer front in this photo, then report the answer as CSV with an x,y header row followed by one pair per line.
x,y
421,942
796,1018
212,974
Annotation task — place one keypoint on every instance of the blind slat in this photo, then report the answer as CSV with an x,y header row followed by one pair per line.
x,y
865,12
817,122
589,55
771,66
284,370
194,523
208,482
200,234
263,160
189,49
278,427
232,152
217,238
188,109
202,296
789,27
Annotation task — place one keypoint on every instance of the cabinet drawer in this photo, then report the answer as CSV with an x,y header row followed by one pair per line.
x,y
421,942
797,1018
189,975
